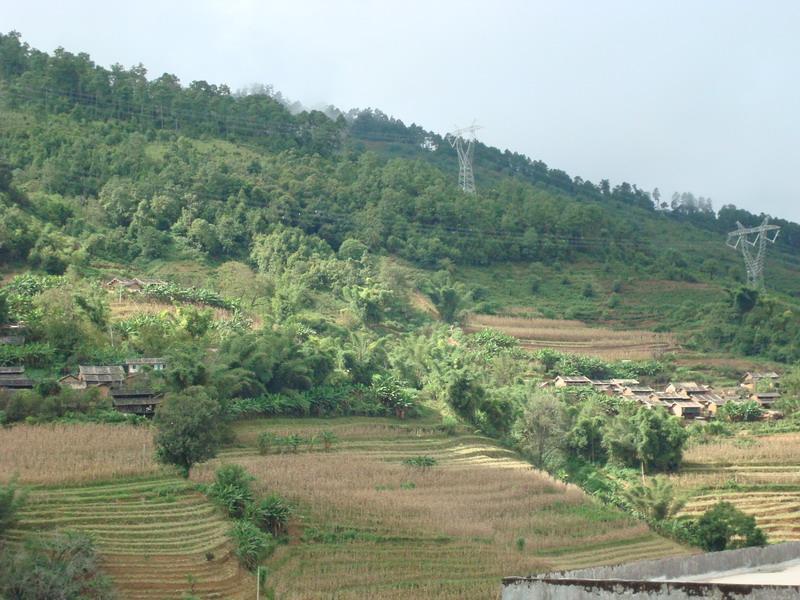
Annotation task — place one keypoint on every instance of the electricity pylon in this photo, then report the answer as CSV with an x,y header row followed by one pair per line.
x,y
752,241
463,140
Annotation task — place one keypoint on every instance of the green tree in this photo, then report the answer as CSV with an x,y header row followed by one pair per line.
x,y
541,426
724,527
188,428
447,296
585,437
647,439
655,500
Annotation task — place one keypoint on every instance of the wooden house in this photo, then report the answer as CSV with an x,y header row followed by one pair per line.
x,y
14,378
623,383
680,405
135,365
563,381
12,340
766,399
757,381
135,402
606,387
686,387
133,285
103,377
711,401
637,392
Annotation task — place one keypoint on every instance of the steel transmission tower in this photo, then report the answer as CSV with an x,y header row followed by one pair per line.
x,y
463,140
752,241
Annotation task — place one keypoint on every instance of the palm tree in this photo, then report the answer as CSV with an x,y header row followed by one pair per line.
x,y
656,501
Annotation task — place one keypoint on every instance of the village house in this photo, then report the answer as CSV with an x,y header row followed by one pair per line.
x,y
135,365
686,387
606,387
755,382
766,399
14,378
12,334
679,405
563,381
136,402
636,392
103,377
622,383
702,394
133,285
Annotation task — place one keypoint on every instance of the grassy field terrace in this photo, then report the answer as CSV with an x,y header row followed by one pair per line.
x,y
758,474
370,526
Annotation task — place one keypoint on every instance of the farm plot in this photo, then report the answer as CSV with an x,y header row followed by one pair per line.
x,y
576,337
369,526
158,538
758,474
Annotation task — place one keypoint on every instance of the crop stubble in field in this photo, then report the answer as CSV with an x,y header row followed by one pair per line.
x,y
376,528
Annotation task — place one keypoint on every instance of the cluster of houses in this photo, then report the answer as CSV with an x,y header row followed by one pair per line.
x,y
123,384
686,399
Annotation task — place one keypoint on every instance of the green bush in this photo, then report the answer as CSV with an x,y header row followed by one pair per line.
x,y
231,490
449,425
420,462
266,441
251,545
11,500
271,514
741,411
64,566
724,527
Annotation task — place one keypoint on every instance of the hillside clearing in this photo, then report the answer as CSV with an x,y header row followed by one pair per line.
x,y
576,337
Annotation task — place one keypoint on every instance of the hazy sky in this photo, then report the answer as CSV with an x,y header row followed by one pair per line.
x,y
686,95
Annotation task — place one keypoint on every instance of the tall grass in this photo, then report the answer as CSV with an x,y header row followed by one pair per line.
x,y
75,453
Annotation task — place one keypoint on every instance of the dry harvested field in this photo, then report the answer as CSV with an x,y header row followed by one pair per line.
x,y
76,453
372,527
577,337
759,474
129,307
152,530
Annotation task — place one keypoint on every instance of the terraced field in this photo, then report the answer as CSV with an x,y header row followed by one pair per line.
x,y
577,337
758,474
371,527
159,539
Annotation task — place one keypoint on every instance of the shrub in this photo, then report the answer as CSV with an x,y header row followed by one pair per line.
x,y
266,441
11,500
726,527
293,441
420,462
328,439
64,565
251,545
741,411
449,425
271,515
231,490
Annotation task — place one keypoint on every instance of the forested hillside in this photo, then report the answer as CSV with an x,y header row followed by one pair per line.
x,y
106,167
266,269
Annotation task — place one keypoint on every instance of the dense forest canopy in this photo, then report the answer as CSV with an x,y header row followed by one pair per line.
x,y
107,166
